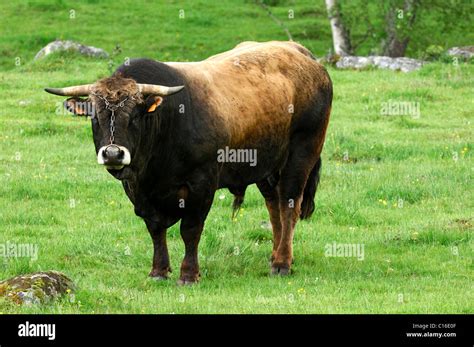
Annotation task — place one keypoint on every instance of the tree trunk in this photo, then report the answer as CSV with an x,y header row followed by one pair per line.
x,y
396,43
340,36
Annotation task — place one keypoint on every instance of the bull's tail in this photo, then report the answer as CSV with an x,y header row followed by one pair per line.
x,y
239,195
238,200
307,205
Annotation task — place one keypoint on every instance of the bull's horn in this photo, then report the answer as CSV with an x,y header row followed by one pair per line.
x,y
83,90
155,89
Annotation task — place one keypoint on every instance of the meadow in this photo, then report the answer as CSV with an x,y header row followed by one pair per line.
x,y
400,185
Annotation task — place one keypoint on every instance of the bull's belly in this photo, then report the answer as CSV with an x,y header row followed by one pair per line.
x,y
242,167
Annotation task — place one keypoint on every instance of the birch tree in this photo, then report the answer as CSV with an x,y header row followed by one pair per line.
x,y
399,22
340,36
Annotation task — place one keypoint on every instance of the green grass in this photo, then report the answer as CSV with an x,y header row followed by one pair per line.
x,y
389,182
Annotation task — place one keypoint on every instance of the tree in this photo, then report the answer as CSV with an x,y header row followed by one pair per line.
x,y
340,36
399,27
399,22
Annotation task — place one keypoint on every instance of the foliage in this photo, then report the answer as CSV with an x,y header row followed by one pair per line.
x,y
438,22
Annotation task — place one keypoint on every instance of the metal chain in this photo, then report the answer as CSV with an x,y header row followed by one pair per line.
x,y
112,127
112,108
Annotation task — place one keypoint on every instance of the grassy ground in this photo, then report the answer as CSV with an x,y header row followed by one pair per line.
x,y
399,185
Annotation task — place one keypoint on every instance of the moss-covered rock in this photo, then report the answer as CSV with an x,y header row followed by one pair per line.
x,y
36,288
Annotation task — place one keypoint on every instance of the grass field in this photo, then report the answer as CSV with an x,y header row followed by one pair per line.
x,y
399,185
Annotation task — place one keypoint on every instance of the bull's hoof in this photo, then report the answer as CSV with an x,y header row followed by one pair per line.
x,y
159,275
159,278
188,280
278,266
280,270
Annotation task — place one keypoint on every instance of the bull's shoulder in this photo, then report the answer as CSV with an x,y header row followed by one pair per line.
x,y
263,50
241,47
259,54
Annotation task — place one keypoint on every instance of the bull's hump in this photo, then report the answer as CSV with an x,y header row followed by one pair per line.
x,y
255,68
250,51
255,88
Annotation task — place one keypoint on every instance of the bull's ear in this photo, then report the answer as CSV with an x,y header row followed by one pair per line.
x,y
80,107
155,102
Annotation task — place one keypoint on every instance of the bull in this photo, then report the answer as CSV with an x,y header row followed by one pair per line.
x,y
161,129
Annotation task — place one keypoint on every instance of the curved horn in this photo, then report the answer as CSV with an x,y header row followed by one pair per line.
x,y
157,89
83,90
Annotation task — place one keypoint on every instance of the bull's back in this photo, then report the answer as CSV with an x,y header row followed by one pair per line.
x,y
257,89
259,94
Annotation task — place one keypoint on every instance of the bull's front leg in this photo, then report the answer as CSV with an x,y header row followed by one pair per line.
x,y
197,203
191,230
161,262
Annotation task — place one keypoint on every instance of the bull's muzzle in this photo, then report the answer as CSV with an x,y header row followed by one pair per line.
x,y
113,156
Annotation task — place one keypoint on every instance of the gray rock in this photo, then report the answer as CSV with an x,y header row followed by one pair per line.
x,y
36,288
464,52
59,45
399,64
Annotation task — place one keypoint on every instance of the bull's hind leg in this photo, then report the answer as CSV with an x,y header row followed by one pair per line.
x,y
161,261
293,179
272,201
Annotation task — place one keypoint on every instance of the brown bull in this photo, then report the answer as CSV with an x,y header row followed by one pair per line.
x,y
255,114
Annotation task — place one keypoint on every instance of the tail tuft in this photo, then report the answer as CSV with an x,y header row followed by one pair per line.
x,y
238,201
239,194
307,205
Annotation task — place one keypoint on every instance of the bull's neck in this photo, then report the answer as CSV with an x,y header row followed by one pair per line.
x,y
168,136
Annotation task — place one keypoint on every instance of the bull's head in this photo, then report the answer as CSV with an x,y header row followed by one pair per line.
x,y
115,105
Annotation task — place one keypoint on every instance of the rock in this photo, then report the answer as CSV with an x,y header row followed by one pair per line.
x,y
399,64
68,45
36,288
464,52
